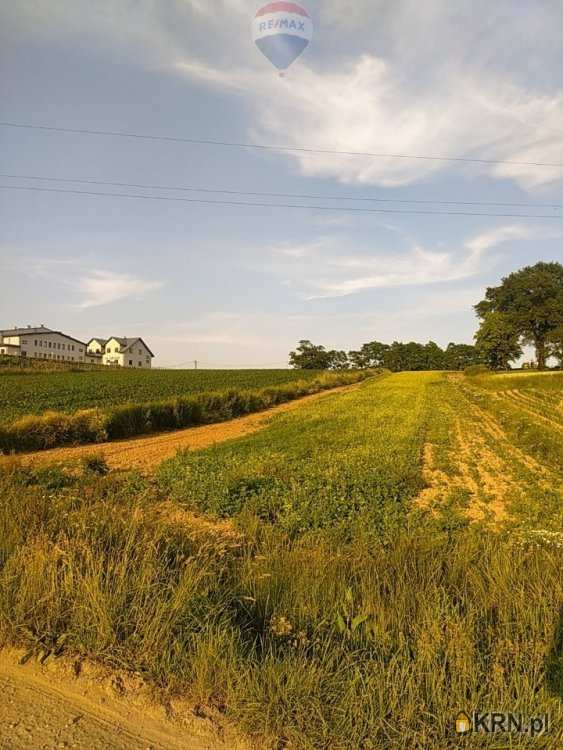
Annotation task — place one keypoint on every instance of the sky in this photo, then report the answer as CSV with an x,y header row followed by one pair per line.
x,y
234,286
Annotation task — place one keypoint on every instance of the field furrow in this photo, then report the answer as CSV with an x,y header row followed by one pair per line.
x,y
345,577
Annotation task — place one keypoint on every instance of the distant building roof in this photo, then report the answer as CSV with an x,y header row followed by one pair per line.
x,y
31,331
127,343
101,341
25,331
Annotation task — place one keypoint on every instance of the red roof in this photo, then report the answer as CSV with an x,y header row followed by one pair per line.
x,y
282,7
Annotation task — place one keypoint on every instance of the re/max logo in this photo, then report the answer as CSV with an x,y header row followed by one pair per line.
x,y
282,23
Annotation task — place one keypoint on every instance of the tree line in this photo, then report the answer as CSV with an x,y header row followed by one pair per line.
x,y
396,357
525,309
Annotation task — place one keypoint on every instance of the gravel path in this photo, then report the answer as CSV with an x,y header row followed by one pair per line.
x,y
46,708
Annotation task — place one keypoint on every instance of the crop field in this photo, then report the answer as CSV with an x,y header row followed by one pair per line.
x,y
348,578
35,392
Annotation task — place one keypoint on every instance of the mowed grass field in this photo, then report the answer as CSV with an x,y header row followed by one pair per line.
x,y
36,392
347,579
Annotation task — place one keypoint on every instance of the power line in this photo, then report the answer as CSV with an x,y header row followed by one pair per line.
x,y
296,196
239,365
248,204
269,147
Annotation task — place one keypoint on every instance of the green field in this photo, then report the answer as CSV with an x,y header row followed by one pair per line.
x,y
347,579
35,392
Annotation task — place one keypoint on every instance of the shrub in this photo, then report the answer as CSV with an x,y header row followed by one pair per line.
x,y
96,464
125,421
161,417
474,370
188,411
52,429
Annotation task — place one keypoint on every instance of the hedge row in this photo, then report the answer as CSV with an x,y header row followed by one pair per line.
x,y
94,426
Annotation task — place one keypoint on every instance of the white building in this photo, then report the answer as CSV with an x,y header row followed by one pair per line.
x,y
121,351
43,343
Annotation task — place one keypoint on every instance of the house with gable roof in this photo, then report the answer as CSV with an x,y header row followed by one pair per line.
x,y
41,342
121,351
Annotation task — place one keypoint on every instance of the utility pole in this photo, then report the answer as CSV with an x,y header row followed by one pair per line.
x,y
195,364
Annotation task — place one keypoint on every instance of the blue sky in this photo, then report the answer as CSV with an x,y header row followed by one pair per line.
x,y
240,286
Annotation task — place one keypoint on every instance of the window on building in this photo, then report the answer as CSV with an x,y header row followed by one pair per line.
x,y
140,364
35,342
130,363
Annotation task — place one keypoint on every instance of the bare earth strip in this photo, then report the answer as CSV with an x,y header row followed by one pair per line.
x,y
49,707
484,464
148,452
512,397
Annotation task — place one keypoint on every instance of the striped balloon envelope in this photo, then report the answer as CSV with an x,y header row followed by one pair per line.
x,y
282,31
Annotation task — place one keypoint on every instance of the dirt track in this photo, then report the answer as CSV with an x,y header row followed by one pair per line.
x,y
49,707
148,452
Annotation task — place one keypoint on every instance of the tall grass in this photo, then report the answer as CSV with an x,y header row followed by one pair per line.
x,y
361,646
322,613
92,426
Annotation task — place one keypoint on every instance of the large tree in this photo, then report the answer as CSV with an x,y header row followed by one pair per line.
x,y
555,344
531,301
497,342
310,356
460,356
370,355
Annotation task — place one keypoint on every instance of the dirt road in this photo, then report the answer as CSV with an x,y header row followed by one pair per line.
x,y
49,707
148,452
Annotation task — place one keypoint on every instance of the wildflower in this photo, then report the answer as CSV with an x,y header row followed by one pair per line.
x,y
281,626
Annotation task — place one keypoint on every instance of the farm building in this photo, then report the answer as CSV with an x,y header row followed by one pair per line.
x,y
121,351
43,343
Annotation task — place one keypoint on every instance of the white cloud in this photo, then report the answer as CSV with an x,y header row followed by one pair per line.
x,y
329,268
406,77
369,107
103,287
90,286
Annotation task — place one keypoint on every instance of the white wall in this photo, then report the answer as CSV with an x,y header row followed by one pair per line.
x,y
137,356
53,346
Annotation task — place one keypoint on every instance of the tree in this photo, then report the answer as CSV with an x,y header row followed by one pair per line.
x,y
338,360
460,356
497,341
434,357
555,344
311,357
370,355
531,301
414,356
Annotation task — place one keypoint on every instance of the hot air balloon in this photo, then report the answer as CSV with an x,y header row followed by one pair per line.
x,y
282,32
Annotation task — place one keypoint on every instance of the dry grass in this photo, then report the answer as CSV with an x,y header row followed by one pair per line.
x,y
146,453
